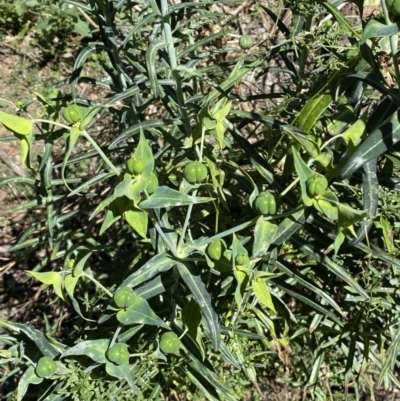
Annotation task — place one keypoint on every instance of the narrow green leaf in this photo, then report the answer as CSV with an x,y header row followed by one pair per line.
x,y
376,29
262,292
312,111
29,377
151,56
157,264
94,349
192,279
167,197
377,143
264,236
44,345
299,278
370,198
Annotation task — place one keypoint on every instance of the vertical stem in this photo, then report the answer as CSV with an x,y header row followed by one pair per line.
x,y
393,43
304,50
186,223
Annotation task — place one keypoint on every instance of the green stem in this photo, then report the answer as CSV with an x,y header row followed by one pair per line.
x,y
98,284
393,42
100,152
164,237
186,223
39,120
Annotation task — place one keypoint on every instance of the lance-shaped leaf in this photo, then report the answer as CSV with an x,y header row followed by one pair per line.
x,y
94,349
192,279
167,197
16,124
264,236
140,313
312,111
137,219
156,265
370,198
29,377
377,143
49,278
261,290
45,346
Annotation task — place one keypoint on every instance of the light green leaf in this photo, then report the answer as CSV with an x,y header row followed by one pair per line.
x,y
262,293
94,349
144,153
138,220
157,264
312,111
349,216
16,124
388,234
49,278
304,172
327,204
140,313
167,197
264,236
113,214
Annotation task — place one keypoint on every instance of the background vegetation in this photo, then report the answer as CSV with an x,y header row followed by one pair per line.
x,y
210,201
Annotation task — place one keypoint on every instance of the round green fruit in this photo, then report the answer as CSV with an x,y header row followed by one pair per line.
x,y
242,260
316,185
152,183
170,343
124,297
195,172
265,203
134,166
246,41
215,249
118,354
73,113
45,367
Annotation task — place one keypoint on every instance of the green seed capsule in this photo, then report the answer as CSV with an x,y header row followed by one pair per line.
x,y
134,166
242,261
265,203
195,172
152,183
170,343
73,113
316,185
124,297
45,367
246,42
118,354
215,249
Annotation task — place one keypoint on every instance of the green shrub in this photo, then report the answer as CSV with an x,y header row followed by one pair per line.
x,y
308,290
